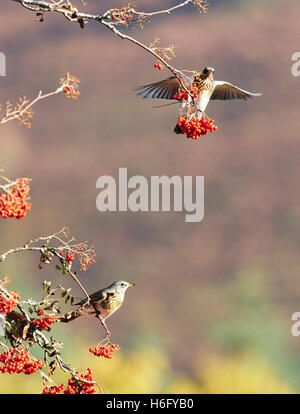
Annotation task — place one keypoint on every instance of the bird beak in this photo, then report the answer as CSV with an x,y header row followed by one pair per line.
x,y
131,284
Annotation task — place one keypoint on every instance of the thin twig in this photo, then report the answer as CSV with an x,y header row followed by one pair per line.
x,y
54,250
73,15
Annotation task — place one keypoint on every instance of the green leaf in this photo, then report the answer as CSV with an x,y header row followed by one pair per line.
x,y
8,326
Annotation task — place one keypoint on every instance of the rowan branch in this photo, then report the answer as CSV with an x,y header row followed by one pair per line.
x,y
22,110
19,328
54,246
113,18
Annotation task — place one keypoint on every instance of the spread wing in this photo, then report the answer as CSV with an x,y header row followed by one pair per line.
x,y
225,90
164,89
95,297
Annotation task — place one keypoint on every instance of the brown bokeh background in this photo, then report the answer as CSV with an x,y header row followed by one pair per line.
x,y
223,286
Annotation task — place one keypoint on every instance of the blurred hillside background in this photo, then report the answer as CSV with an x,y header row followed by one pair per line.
x,y
211,310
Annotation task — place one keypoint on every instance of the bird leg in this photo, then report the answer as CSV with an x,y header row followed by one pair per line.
x,y
199,114
102,321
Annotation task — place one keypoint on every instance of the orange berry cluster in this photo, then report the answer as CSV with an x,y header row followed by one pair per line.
x,y
7,305
54,389
84,258
195,127
123,16
44,323
70,85
17,360
15,204
85,262
69,91
107,351
79,387
184,95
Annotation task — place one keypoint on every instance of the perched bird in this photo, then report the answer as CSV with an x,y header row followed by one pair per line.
x,y
103,303
205,88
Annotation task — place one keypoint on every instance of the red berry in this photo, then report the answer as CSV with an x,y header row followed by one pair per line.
x,y
106,350
195,127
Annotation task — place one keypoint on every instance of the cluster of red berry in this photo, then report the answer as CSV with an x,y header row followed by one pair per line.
x,y
19,360
70,257
14,202
76,386
84,259
107,351
54,389
7,305
184,95
70,84
195,127
86,262
44,323
69,91
158,66
123,15
41,312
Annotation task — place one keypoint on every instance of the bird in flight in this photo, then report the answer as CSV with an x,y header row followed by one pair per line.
x,y
103,303
205,89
